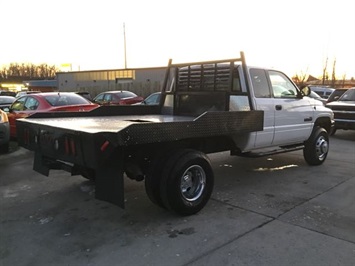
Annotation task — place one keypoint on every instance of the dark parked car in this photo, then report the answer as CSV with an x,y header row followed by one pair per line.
x,y
6,101
85,94
152,99
23,93
317,97
336,95
46,102
7,93
4,132
117,98
323,92
344,111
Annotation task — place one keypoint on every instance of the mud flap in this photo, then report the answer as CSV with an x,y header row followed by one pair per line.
x,y
39,165
109,179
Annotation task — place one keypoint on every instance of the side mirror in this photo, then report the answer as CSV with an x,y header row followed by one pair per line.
x,y
6,109
306,91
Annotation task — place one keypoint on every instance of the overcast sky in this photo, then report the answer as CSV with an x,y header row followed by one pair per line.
x,y
292,36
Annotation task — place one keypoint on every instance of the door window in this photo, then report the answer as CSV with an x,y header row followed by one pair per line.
x,y
108,98
19,104
260,83
100,97
282,87
31,104
264,102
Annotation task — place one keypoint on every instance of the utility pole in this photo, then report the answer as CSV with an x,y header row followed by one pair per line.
x,y
125,54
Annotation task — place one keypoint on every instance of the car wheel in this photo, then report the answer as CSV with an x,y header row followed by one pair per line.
x,y
187,182
316,147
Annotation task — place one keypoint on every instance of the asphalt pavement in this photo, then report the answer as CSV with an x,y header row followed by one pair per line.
x,y
273,210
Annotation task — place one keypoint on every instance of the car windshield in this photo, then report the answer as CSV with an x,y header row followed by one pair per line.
x,y
348,96
61,99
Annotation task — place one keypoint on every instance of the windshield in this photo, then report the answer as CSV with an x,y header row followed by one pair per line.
x,y
348,96
61,99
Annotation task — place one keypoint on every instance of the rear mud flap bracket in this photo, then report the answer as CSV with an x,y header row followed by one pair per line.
x,y
39,165
109,180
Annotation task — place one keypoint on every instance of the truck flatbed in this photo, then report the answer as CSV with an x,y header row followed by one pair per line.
x,y
106,123
126,130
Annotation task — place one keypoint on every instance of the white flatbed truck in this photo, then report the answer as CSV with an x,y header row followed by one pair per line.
x,y
205,107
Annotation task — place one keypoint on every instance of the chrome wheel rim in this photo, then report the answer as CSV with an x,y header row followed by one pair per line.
x,y
322,148
193,183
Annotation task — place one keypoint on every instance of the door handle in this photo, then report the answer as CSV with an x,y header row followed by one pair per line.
x,y
278,107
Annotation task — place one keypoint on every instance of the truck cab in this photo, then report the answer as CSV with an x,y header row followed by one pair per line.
x,y
289,115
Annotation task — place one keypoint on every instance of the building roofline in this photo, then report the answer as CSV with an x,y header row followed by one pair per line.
x,y
106,70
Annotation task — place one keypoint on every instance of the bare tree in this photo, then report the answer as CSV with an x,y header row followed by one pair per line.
x,y
343,80
300,78
333,74
28,71
325,73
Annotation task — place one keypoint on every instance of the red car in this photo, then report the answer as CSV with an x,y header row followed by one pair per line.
x,y
46,102
117,98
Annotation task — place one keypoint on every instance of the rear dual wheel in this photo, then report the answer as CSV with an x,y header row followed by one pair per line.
x,y
185,182
153,178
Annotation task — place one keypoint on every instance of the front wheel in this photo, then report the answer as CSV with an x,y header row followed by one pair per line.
x,y
187,182
316,147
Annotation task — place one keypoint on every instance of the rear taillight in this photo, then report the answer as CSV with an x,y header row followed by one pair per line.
x,y
26,136
69,146
104,145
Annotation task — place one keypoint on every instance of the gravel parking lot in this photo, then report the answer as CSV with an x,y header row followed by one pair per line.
x,y
273,210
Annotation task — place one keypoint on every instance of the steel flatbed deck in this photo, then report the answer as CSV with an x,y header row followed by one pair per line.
x,y
126,130
92,124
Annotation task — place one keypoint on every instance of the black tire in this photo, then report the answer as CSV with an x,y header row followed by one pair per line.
x,y
153,179
187,182
316,147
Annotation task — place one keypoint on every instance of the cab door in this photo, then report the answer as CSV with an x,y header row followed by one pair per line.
x,y
288,117
293,113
